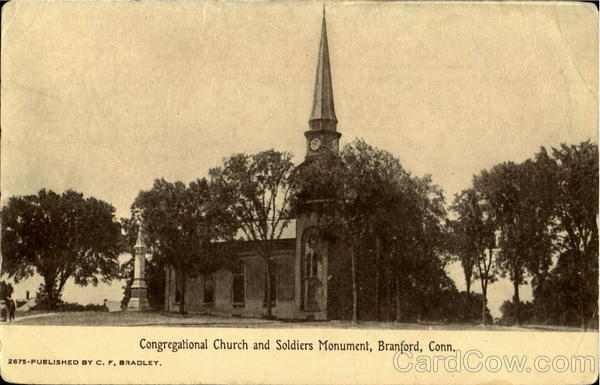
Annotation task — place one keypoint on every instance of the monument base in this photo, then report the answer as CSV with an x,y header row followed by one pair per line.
x,y
138,300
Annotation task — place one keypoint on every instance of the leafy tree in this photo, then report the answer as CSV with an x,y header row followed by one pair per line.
x,y
556,298
179,222
354,185
60,236
370,199
421,252
522,209
541,206
540,194
474,240
256,193
576,225
461,246
501,188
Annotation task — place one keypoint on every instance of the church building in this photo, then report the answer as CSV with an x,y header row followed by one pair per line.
x,y
310,275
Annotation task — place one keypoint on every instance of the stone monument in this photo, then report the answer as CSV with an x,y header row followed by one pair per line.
x,y
138,300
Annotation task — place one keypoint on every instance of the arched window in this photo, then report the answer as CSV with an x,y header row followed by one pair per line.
x,y
311,270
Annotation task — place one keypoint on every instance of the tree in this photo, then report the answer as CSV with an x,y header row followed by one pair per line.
x,y
503,189
370,181
368,198
60,236
346,186
576,225
474,239
256,192
556,298
179,222
461,247
522,201
540,194
422,247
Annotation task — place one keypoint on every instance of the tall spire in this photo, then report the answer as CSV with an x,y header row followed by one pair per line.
x,y
323,111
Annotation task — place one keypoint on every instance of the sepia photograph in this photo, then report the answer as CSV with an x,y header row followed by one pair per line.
x,y
272,167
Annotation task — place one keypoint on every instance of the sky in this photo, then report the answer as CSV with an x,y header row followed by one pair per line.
x,y
105,97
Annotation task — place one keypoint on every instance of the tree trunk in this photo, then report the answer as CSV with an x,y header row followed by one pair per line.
x,y
468,276
50,293
268,286
354,285
182,291
167,299
377,280
517,302
388,313
397,299
61,284
582,315
484,304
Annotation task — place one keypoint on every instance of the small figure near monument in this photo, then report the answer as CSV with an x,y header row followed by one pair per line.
x,y
12,307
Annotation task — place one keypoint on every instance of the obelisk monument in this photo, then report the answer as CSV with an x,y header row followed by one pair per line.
x,y
138,300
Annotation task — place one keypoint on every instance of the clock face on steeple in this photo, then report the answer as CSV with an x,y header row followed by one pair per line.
x,y
315,144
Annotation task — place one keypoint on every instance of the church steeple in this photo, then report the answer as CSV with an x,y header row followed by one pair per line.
x,y
323,111
322,135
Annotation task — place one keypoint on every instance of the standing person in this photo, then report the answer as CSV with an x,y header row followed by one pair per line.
x,y
12,306
3,309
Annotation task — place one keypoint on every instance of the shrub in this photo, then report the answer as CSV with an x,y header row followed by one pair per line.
x,y
526,313
69,306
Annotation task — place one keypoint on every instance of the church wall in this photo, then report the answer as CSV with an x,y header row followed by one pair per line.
x,y
284,307
193,294
222,291
284,268
254,285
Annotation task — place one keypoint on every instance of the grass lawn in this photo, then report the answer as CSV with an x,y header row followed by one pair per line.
x,y
92,318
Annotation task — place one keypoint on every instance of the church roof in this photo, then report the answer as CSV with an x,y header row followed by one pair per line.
x,y
323,108
288,232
